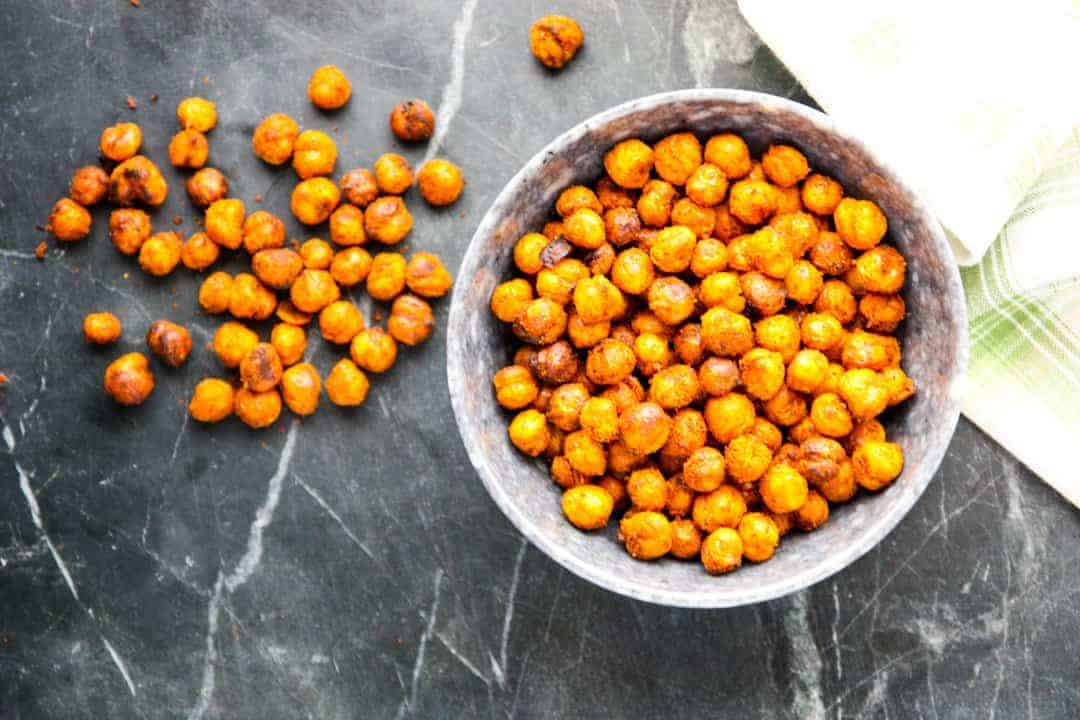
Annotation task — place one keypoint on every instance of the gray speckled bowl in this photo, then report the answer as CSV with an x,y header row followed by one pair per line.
x,y
934,339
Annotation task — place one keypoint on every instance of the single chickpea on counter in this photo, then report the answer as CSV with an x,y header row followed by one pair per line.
x,y
189,149
263,230
129,228
313,153
375,350
411,320
313,290
351,266
393,174
317,254
277,268
260,368
89,185
328,88
387,220
440,182
212,401
412,121
358,187
224,222
101,328
199,252
257,409
120,142
196,113
275,139
340,322
128,379
137,180
68,221
160,254
347,226
555,39
171,343
426,275
290,342
300,389
346,385
313,200
232,342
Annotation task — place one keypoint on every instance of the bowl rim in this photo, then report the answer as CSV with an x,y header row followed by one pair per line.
x,y
833,562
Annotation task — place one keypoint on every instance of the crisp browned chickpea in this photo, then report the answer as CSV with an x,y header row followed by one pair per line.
x,y
411,320
347,385
762,373
225,222
876,464
629,163
245,296
685,539
688,344
555,39
788,201
584,335
128,379
290,342
170,342
783,489
601,259
759,535
859,223
529,432
866,430
882,313
387,220
674,387
393,174
764,294
553,230
101,328
585,229
567,400
288,313
746,458
821,332
347,226
128,229
729,416
841,487
899,385
807,370
89,185
644,428
599,417
120,142
879,270
632,271
652,353
612,195
412,121
215,291
804,284
865,392
671,299
315,153
676,157
869,350
340,321
351,266
160,254
819,459
700,220
427,276
727,226
646,535
511,297
313,200
257,409
821,194
729,153
563,473
556,364
440,182
69,221
596,299
625,394
831,255
386,280
739,254
587,507
707,185
784,165
655,203
199,252
722,551
196,113
718,376
621,225
767,433
800,433
317,254
648,489
673,249
137,180
277,267
264,230
704,470
610,362
232,342
261,368
300,388
313,290
752,201
585,455
830,415
212,401
710,256
798,229
722,507
836,299
622,460
540,321
515,387
726,333
722,289
189,149
785,408
275,138
358,187
770,253
574,197
779,333
328,88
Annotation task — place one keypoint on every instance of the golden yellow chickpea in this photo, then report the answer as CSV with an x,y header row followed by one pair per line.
x,y
160,254
685,539
830,415
189,149
387,220
762,373
676,157
752,201
515,387
555,39
648,489
783,488
769,253
313,290
261,368
674,387
564,406
807,370
689,346
386,280
340,321
577,196
599,417
878,270
739,253
821,331
245,296
562,472
328,88
726,333
583,335
764,294
703,471
212,401
315,153
199,252
819,459
865,392
68,221
440,182
836,299
700,220
585,229
646,535
101,328
542,322
289,342
613,196
263,230
412,121
722,289
596,299
609,362
527,253
729,153
859,223
746,458
411,320
729,416
710,256
121,141
673,249
644,427
529,432
313,200
722,551
137,180
128,379
585,455
358,187
629,163
785,408
317,254
671,299
257,409
655,203
232,342
215,291
798,229
587,507
784,165
275,138
129,228
788,200
633,272
652,352
727,227
277,267
718,376
759,535
876,464
831,255
196,113
89,185
393,174
300,388
722,507
351,266
510,298
841,487
347,226
779,333
882,313
813,513
869,350
347,385
225,222
803,283
374,350
821,194
426,276
707,185
899,385
287,313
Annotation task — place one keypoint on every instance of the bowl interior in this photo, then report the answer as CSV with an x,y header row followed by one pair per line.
x,y
933,338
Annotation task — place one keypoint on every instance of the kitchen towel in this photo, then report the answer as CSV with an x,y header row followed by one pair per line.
x,y
975,105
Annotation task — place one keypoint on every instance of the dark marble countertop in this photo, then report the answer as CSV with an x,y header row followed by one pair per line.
x,y
353,566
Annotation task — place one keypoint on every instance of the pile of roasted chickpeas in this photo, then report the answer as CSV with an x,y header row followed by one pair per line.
x,y
291,283
706,348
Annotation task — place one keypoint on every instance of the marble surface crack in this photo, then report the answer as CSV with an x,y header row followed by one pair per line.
x,y
499,667
120,666
451,97
715,32
805,660
336,518
408,704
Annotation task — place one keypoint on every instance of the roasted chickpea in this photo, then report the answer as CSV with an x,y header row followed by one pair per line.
x,y
427,276
864,431
729,416
225,222
655,203
762,373
807,370
315,153
685,539
328,88
215,291
351,266
358,187
196,113
584,454
188,149
632,271
629,163
313,290
752,201
128,229
317,254
779,333
515,387
673,249
137,180
511,297
804,284
721,551
89,185
128,379
746,458
821,332
671,299
621,225
652,353
688,344
440,182
542,322
879,270
584,335
386,280
730,154
674,387
831,255
676,157
759,535
347,226
160,254
387,220
277,267
726,226
799,433
646,535
599,417
718,376
412,121
69,221
347,385
726,333
899,385
529,432
704,471
170,342
206,187
585,229
739,254
563,473
257,409
232,342
264,230
393,175
120,142
841,487
290,343
555,39
784,165
261,368
722,289
314,199
798,230
300,388
819,459
869,350
688,433
830,415
556,364
865,392
596,299
788,201
700,220
340,321
876,464
613,196
783,489
836,299
101,328
785,408
287,313
859,223
625,394
821,194
610,362
275,138
644,427
722,507
710,256
212,401
574,197
245,296
648,489
881,313
707,186
411,320
587,507
764,294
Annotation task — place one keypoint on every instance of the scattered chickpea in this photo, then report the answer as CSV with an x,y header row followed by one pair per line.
x,y
387,220
289,342
313,290
328,88
89,185
137,180
263,230
232,342
212,401
120,142
225,222
313,153
196,113
261,368
387,277
199,252
215,291
189,149
160,254
412,121
206,187
374,350
555,39
358,187
300,388
277,268
288,313
129,228
722,551
440,182
275,139
411,320
257,409
393,175
351,266
313,200
426,276
128,379
340,321
69,221
101,328
170,342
